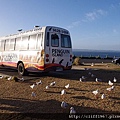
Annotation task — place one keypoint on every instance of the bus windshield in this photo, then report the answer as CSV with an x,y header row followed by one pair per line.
x,y
65,41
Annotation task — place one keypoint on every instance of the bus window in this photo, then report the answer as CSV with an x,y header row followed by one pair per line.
x,y
39,41
24,43
32,42
2,45
12,43
65,41
54,40
7,44
18,43
47,42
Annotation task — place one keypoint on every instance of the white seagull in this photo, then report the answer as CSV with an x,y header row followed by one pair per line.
x,y
83,77
114,80
1,77
33,94
89,73
72,110
97,80
52,84
22,79
40,82
110,89
64,104
47,87
63,92
9,78
67,86
92,64
110,83
80,79
92,75
95,92
32,86
102,96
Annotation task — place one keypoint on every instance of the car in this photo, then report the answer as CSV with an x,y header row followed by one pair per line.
x,y
116,61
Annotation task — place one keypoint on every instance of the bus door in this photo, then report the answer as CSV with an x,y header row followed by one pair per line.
x,y
55,48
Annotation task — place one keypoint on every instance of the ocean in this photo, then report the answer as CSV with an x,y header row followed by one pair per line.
x,y
95,53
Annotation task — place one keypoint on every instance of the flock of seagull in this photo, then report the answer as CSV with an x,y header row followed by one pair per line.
x,y
95,92
63,92
64,105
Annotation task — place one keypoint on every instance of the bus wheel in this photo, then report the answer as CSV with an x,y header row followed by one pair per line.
x,y
21,70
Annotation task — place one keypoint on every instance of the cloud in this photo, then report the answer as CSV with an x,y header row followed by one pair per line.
x,y
115,6
114,30
91,16
73,24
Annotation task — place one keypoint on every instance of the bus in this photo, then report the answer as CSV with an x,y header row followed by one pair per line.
x,y
44,49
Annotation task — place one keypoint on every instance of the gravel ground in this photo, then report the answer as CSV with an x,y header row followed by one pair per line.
x,y
15,97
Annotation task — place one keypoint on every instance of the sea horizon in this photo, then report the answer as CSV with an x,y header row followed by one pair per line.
x,y
96,53
95,50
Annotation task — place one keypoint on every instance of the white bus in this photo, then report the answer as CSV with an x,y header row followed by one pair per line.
x,y
40,49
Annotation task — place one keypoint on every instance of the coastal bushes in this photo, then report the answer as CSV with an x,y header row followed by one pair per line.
x,y
92,57
76,61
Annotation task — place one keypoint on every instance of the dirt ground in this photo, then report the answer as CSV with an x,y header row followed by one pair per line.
x,y
15,97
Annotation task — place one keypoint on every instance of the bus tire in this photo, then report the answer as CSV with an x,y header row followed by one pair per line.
x,y
21,69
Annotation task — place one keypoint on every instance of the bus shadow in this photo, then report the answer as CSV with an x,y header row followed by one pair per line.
x,y
73,74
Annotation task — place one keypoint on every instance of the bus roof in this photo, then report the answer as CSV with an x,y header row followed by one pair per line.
x,y
35,31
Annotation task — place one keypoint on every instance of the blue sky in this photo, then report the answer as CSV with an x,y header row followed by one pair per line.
x,y
93,24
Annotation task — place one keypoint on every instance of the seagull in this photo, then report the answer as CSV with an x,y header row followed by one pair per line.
x,y
89,73
97,80
21,79
63,92
110,89
52,84
9,78
114,80
92,64
110,83
47,87
1,77
67,86
64,104
80,79
72,110
33,94
40,82
95,92
32,86
92,75
102,96
83,77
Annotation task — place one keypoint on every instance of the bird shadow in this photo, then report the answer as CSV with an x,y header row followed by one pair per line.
x,y
82,97
77,89
52,92
35,108
115,98
56,92
99,84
